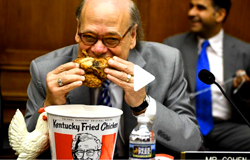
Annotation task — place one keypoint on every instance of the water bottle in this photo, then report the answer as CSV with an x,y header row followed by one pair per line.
x,y
142,140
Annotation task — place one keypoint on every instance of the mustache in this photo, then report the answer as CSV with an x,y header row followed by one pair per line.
x,y
194,19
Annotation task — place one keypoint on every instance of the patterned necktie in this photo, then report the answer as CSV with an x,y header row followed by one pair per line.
x,y
104,97
204,100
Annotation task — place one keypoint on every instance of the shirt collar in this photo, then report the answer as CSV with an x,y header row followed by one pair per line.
x,y
215,42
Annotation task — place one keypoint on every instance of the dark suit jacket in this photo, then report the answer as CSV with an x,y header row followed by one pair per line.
x,y
175,123
236,55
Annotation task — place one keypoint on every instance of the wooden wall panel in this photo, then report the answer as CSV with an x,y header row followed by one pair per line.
x,y
238,23
39,24
14,83
29,29
164,18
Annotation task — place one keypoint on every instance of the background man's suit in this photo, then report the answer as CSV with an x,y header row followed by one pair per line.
x,y
236,55
175,120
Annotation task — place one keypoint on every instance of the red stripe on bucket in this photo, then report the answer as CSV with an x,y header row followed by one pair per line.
x,y
108,143
63,144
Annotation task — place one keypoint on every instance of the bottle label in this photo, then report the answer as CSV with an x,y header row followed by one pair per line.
x,y
142,150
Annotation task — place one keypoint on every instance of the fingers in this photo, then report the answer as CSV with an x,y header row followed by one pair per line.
x,y
235,84
122,65
70,77
237,81
67,73
65,67
121,77
241,77
61,81
68,87
122,74
120,82
240,73
67,80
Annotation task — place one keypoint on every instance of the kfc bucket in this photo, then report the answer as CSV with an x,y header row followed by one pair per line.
x,y
82,131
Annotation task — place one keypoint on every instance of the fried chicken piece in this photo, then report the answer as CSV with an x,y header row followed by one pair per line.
x,y
94,69
92,81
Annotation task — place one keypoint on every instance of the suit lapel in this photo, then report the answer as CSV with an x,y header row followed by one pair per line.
x,y
136,58
191,55
230,58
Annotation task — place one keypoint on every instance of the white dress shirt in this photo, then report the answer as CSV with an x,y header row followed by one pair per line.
x,y
220,106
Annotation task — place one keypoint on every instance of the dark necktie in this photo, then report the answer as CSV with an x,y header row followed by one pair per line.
x,y
204,100
104,97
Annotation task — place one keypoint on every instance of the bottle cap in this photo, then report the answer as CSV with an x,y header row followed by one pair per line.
x,y
142,119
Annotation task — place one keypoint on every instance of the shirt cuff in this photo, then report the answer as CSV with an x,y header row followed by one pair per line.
x,y
151,109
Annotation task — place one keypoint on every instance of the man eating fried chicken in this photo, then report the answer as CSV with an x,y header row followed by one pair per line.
x,y
112,29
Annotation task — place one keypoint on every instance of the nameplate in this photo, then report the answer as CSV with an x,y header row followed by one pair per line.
x,y
215,155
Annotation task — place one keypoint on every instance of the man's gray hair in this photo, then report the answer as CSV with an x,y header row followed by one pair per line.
x,y
134,15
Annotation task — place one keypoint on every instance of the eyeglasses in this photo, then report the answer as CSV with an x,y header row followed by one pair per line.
x,y
89,152
109,41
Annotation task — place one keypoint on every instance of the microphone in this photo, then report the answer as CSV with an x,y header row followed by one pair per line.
x,y
208,78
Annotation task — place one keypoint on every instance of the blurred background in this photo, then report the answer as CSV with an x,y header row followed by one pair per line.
x,y
31,28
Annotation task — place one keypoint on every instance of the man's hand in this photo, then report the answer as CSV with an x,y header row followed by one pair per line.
x,y
70,75
120,76
241,77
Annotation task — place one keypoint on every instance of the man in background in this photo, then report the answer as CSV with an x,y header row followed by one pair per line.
x,y
207,46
